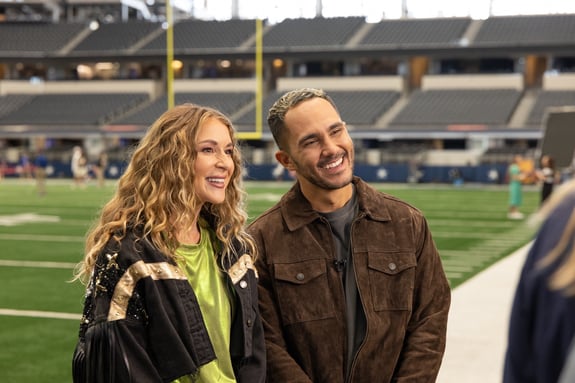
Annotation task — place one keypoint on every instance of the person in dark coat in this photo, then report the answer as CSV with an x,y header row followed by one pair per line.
x,y
542,322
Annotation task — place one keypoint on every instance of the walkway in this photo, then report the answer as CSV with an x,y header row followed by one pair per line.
x,y
478,321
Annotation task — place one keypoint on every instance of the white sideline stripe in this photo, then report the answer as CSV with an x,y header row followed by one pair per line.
x,y
271,197
39,314
44,238
48,265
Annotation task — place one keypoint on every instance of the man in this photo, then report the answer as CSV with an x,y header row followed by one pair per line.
x,y
351,284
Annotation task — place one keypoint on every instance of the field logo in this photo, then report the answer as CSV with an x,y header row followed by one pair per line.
x,y
21,219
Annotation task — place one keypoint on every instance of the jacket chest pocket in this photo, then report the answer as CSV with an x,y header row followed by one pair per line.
x,y
391,280
303,291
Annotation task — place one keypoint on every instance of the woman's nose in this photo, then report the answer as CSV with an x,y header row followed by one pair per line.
x,y
223,160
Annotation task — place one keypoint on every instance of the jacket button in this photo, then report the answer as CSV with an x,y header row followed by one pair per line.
x,y
249,323
300,276
243,284
392,266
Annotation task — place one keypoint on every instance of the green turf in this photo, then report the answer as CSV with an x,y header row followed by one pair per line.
x,y
36,350
468,224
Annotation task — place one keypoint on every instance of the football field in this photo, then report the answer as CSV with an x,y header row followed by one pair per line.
x,y
42,238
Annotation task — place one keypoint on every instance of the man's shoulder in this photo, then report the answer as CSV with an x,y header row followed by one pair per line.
x,y
269,216
375,198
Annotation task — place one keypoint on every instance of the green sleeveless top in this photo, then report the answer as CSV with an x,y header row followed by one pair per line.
x,y
209,284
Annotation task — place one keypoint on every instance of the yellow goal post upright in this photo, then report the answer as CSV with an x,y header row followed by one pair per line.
x,y
169,55
254,135
257,134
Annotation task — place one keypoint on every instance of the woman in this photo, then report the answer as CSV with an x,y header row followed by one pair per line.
x,y
542,322
548,177
516,178
172,290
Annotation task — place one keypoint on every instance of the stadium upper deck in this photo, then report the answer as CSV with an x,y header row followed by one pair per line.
x,y
418,79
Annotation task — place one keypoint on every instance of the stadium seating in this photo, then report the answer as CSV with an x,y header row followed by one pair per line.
x,y
416,32
433,108
146,114
360,109
546,99
71,109
22,39
191,35
116,37
12,102
320,32
526,30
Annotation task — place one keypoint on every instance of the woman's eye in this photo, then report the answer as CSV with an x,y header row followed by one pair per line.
x,y
229,152
207,150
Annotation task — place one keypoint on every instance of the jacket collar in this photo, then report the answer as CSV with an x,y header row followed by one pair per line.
x,y
297,211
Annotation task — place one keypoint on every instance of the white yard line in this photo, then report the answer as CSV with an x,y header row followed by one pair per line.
x,y
43,238
40,264
39,314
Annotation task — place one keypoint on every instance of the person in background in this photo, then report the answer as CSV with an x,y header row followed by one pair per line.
x,y
79,167
99,169
25,166
548,176
40,165
171,286
542,321
516,177
2,166
352,288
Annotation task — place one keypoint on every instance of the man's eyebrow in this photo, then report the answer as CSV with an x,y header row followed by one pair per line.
x,y
337,124
307,137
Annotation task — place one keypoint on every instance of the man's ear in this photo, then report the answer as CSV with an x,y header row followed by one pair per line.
x,y
284,159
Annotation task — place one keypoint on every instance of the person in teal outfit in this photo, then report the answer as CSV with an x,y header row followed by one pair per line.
x,y
516,177
171,290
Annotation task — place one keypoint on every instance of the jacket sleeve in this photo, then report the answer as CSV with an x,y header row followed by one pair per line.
x,y
99,357
110,351
252,369
281,367
425,337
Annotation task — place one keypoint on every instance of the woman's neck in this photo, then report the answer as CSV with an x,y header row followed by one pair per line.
x,y
190,235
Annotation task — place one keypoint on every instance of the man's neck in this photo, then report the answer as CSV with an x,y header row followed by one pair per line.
x,y
324,200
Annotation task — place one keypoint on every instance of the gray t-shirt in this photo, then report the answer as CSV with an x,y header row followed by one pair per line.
x,y
340,222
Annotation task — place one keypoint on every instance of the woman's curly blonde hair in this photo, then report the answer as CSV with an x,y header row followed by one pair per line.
x,y
156,193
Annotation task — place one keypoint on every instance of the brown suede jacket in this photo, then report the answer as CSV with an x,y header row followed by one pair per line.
x,y
402,286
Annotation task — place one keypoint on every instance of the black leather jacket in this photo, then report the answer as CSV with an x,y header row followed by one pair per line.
x,y
142,321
